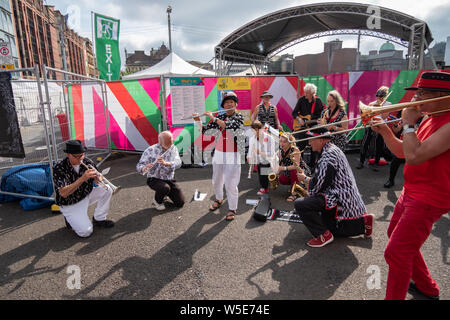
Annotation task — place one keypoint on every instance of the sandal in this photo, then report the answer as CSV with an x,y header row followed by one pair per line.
x,y
215,205
230,215
291,198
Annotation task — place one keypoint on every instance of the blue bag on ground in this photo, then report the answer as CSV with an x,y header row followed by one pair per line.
x,y
30,179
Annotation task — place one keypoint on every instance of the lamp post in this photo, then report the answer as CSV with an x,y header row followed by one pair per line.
x,y
169,10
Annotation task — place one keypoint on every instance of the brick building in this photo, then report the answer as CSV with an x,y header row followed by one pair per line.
x,y
138,60
91,69
334,59
7,30
38,38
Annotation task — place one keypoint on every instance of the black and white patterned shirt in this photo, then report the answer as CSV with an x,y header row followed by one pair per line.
x,y
333,178
267,115
64,174
159,171
340,139
234,129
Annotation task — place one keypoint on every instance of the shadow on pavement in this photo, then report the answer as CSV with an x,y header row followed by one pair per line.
x,y
146,277
314,276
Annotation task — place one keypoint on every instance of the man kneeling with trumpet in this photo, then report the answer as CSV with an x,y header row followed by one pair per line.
x,y
78,184
334,205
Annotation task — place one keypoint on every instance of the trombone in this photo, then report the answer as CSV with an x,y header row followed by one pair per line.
x,y
368,112
344,121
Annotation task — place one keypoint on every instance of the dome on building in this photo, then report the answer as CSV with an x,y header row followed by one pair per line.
x,y
387,47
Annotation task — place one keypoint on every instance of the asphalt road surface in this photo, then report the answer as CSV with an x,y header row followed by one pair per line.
x,y
193,254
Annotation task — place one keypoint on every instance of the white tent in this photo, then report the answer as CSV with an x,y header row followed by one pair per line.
x,y
172,65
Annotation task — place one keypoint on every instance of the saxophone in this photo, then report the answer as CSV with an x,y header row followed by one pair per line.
x,y
298,189
273,181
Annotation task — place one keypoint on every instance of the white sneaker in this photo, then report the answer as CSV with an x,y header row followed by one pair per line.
x,y
158,206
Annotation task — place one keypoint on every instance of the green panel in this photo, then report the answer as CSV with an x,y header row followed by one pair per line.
x,y
72,116
323,86
185,138
145,103
404,79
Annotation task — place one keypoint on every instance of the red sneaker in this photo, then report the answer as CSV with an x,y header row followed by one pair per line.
x,y
321,240
262,191
368,224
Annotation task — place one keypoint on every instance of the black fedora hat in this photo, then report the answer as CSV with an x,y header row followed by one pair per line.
x,y
74,147
320,132
433,81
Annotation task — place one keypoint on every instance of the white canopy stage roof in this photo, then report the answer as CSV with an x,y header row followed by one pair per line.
x,y
172,65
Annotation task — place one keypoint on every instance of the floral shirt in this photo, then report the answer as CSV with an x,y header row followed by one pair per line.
x,y
159,171
64,174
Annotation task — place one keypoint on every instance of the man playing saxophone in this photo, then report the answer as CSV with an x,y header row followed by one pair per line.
x,y
77,187
334,205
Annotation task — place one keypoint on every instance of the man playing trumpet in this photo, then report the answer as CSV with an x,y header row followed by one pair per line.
x,y
334,206
77,187
158,163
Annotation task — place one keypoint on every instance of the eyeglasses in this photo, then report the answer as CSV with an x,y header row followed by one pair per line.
x,y
421,93
77,155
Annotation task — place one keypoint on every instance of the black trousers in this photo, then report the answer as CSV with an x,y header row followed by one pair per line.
x,y
165,188
317,219
369,135
395,164
302,144
263,176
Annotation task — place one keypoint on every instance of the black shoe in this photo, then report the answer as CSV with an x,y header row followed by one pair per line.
x,y
68,226
389,184
374,167
103,224
413,289
360,166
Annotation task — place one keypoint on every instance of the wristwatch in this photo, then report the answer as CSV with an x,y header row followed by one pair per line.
x,y
408,128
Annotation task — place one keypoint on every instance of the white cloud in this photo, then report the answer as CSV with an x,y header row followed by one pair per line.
x,y
200,25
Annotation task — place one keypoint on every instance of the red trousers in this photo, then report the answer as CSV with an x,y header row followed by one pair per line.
x,y
409,228
289,179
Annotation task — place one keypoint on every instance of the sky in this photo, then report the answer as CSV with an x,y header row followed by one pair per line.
x,y
197,26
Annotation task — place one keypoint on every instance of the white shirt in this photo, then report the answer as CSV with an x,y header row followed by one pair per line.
x,y
266,146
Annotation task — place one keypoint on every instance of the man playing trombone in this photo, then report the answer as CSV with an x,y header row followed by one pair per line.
x,y
158,163
77,187
425,196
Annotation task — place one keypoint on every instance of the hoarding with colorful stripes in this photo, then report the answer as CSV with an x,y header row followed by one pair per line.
x,y
134,115
133,111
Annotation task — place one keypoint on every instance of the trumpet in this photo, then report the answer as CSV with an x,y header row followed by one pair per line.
x,y
105,183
